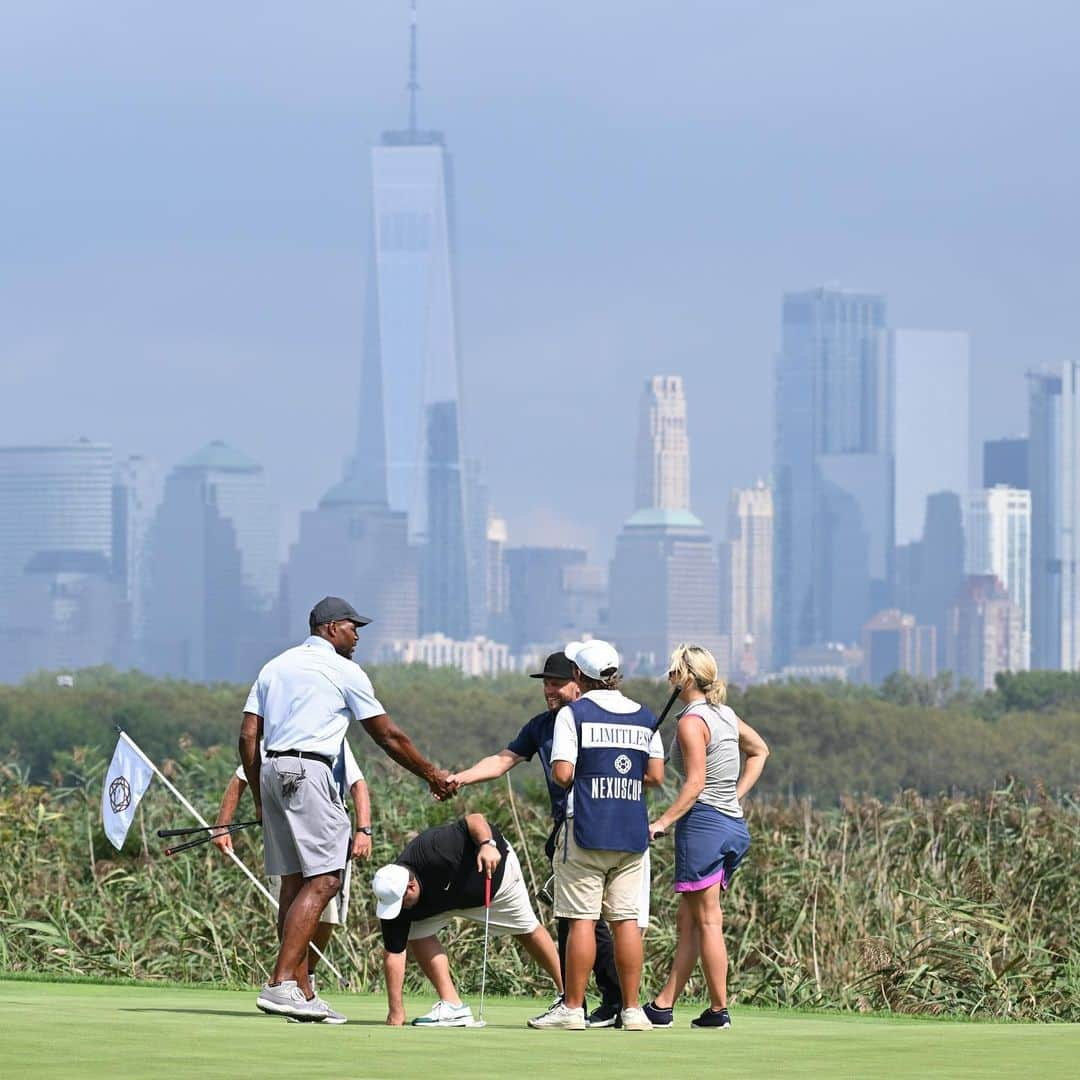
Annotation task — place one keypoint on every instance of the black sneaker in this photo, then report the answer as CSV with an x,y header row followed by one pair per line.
x,y
659,1017
605,1016
710,1019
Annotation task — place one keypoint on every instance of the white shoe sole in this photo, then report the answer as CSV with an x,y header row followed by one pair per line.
x,y
272,1008
464,1021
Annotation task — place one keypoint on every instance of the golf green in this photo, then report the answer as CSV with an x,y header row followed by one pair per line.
x,y
89,1030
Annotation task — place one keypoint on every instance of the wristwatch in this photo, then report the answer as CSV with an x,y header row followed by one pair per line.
x,y
490,840
365,829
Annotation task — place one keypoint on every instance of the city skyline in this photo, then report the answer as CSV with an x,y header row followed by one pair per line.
x,y
209,228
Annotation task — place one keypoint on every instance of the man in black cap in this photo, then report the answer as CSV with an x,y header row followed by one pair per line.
x,y
535,738
300,707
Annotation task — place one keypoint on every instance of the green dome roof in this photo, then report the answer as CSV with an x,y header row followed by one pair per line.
x,y
224,458
668,519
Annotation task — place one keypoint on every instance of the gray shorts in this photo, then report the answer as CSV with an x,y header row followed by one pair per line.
x,y
306,831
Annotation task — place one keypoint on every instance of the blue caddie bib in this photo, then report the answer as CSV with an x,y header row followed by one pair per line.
x,y
609,778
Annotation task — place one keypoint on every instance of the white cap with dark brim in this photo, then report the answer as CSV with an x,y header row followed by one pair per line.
x,y
597,659
390,883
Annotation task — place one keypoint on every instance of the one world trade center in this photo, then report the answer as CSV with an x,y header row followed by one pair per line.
x,y
409,451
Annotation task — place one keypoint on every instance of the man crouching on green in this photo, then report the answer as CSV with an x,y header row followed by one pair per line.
x,y
441,876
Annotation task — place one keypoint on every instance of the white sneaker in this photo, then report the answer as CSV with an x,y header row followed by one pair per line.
x,y
326,1014
635,1020
554,1005
560,1016
443,1014
287,999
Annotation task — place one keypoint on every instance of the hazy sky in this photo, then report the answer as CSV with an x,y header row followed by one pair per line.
x,y
186,196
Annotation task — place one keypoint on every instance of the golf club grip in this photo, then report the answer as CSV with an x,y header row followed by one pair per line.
x,y
487,891
190,831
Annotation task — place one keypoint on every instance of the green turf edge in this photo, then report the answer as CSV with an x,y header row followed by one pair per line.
x,y
764,1010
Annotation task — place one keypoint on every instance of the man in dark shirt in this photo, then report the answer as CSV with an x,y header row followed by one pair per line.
x,y
535,738
441,875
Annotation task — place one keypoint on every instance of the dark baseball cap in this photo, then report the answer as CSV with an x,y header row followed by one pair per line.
x,y
333,609
556,666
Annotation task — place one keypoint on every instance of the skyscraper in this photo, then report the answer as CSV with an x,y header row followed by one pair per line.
x,y
1005,461
931,370
360,550
538,607
138,482
893,642
984,632
52,498
749,577
1054,479
664,580
409,447
213,569
663,455
997,534
834,468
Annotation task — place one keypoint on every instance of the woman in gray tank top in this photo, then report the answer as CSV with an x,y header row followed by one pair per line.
x,y
711,837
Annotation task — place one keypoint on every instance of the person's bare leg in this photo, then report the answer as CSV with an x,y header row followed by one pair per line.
x,y
323,933
430,955
291,884
687,949
580,957
298,928
709,919
628,959
541,948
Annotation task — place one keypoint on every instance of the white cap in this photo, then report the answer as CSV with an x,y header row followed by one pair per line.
x,y
390,883
593,657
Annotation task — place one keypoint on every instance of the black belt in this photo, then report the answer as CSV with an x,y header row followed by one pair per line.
x,y
306,755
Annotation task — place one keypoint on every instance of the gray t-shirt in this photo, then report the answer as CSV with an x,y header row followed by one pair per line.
x,y
722,762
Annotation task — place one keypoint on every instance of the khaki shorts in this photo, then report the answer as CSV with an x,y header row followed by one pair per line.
x,y
592,883
511,911
336,907
306,831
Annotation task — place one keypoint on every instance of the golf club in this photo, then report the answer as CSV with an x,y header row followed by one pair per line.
x,y
220,830
663,717
192,830
667,708
480,1021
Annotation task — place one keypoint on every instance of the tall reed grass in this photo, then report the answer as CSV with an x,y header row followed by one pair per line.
x,y
932,906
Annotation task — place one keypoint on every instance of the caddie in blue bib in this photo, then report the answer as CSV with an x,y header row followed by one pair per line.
x,y
610,813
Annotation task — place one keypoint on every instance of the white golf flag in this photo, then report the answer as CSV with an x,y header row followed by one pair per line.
x,y
125,783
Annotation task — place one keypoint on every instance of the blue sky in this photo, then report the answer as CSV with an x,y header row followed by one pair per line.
x,y
186,200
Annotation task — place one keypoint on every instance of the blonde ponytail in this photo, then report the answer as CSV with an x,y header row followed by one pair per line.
x,y
697,663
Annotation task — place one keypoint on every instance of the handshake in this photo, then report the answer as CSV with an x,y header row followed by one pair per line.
x,y
443,785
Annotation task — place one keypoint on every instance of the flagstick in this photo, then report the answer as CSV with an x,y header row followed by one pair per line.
x,y
232,854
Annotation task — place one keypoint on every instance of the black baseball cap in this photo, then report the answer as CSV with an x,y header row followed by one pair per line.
x,y
556,666
333,609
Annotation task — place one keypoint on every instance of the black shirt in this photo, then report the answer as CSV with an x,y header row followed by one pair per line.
x,y
443,861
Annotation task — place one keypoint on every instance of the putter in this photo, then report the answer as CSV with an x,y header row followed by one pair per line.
x,y
480,1021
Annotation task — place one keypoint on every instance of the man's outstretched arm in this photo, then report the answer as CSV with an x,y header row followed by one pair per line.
x,y
397,745
489,768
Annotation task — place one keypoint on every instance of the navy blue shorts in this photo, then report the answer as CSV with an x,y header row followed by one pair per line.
x,y
709,846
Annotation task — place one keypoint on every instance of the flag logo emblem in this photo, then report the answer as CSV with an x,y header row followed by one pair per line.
x,y
119,795
622,764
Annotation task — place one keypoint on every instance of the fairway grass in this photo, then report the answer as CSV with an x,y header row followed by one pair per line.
x,y
121,1032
